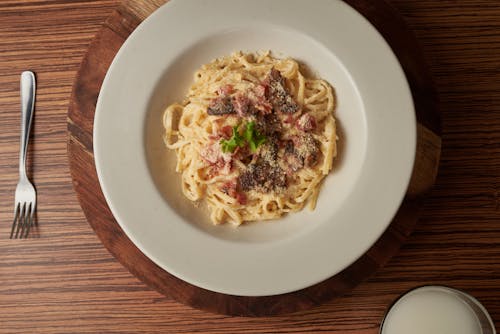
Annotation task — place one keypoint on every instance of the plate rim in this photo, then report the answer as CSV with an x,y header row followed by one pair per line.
x,y
96,150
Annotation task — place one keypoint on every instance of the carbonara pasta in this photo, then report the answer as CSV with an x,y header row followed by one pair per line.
x,y
254,137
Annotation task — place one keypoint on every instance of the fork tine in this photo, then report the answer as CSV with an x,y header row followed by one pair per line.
x,y
28,219
25,220
22,221
16,216
30,223
21,218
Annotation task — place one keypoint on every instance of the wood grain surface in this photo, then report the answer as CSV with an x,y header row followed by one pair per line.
x,y
86,184
63,280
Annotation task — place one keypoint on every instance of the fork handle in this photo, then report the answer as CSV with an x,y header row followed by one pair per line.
x,y
28,87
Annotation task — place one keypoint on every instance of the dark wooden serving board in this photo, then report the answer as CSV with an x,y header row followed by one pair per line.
x,y
80,128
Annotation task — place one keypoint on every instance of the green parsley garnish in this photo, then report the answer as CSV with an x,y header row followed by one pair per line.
x,y
250,136
253,137
233,142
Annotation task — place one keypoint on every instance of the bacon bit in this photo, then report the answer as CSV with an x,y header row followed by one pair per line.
x,y
221,105
226,167
241,104
225,90
229,188
211,153
243,154
301,151
263,105
294,162
260,90
306,123
223,164
213,156
241,198
226,132
219,133
289,119
221,167
258,101
308,148
278,95
292,158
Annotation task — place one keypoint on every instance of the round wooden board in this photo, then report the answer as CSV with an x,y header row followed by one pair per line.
x,y
80,149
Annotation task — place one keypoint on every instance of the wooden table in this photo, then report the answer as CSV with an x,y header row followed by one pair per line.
x,y
64,281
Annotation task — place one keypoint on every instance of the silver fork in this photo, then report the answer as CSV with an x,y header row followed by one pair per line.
x,y
25,202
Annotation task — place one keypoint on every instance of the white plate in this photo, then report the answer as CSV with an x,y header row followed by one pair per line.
x,y
377,142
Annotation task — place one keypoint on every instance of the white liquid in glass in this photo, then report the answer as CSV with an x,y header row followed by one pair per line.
x,y
431,310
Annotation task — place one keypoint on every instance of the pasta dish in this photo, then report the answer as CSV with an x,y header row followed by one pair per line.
x,y
254,137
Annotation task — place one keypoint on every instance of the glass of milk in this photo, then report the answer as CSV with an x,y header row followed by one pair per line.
x,y
437,310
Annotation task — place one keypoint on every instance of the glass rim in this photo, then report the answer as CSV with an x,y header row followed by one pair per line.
x,y
471,301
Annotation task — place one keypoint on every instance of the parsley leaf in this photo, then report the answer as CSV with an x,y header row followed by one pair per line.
x,y
253,137
230,144
250,136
